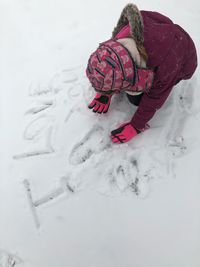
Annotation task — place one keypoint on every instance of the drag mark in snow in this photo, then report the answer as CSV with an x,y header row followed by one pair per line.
x,y
119,176
41,107
182,109
171,138
71,112
129,174
9,260
33,154
177,146
31,203
125,177
91,144
38,152
134,184
36,127
60,81
65,188
75,90
40,130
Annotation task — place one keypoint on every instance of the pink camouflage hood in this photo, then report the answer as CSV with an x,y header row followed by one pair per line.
x,y
111,69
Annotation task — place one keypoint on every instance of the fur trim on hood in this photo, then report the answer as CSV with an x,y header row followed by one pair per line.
x,y
131,14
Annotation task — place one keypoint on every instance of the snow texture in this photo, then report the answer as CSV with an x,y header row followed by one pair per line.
x,y
9,260
62,178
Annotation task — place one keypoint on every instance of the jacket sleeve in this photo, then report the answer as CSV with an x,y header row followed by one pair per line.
x,y
152,101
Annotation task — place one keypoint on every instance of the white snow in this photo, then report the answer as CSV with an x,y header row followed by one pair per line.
x,y
68,196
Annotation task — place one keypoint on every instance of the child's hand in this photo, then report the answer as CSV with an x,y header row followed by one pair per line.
x,y
124,133
100,103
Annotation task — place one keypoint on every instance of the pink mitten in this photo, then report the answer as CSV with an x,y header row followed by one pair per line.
x,y
100,103
124,133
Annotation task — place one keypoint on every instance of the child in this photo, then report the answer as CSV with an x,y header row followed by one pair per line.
x,y
147,55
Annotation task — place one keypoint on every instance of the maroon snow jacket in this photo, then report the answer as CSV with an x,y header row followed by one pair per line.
x,y
172,55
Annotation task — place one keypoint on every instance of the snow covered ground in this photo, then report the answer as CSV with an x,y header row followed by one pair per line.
x,y
68,196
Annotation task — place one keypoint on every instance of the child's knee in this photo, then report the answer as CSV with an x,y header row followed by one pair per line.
x,y
135,100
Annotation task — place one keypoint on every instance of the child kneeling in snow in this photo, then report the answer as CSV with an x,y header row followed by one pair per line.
x,y
147,55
